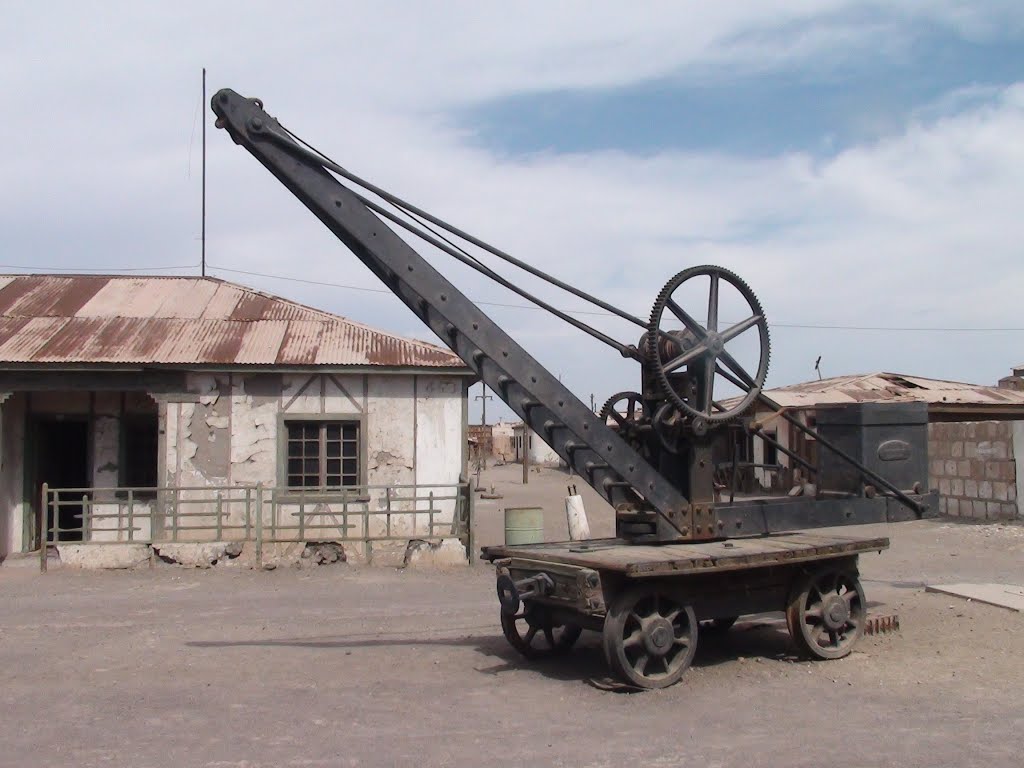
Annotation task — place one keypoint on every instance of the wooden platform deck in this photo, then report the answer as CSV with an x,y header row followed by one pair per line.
x,y
643,560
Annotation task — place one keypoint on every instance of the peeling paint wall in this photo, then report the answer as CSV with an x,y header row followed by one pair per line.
x,y
225,430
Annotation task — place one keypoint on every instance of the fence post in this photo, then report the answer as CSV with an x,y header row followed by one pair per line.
x,y
131,516
42,528
248,512
86,516
259,525
471,525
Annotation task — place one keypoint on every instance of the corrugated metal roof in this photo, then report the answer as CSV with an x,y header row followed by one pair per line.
x,y
183,321
892,387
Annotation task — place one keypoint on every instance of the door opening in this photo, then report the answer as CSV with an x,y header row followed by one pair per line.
x,y
62,461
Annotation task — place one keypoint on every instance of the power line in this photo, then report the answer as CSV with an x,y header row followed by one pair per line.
x,y
808,326
211,267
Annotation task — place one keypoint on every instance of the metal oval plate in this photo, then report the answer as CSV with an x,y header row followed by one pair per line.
x,y
894,450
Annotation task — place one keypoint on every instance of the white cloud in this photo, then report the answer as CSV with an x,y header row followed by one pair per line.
x,y
921,228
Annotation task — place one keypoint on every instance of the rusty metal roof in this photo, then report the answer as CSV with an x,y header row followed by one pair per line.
x,y
892,387
47,319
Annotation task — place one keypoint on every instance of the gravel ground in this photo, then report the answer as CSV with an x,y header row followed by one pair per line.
x,y
353,666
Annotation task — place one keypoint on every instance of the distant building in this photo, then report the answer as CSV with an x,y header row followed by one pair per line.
x,y
975,434
541,454
157,397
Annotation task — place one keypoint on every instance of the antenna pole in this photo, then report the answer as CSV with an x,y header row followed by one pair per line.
x,y
203,236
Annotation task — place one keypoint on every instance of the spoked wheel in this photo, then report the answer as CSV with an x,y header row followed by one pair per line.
x,y
705,347
535,634
649,638
826,613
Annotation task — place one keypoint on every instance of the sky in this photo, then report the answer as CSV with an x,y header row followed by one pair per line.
x,y
859,164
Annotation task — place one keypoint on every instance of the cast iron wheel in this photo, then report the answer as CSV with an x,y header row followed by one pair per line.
x,y
649,638
703,346
534,634
826,613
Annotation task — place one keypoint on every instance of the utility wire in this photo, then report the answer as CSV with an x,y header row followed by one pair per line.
x,y
809,326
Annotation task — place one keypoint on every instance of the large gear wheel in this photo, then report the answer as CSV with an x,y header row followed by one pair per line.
x,y
701,347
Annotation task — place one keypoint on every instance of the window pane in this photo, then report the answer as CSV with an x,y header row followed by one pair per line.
x,y
315,446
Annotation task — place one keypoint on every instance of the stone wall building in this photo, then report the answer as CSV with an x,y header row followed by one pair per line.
x,y
975,433
193,409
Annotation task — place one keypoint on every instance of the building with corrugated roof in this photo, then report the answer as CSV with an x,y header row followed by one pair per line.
x,y
975,434
177,401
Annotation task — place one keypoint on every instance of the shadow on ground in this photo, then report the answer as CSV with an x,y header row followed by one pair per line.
x,y
762,637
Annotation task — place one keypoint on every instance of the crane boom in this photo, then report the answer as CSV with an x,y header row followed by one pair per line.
x,y
597,453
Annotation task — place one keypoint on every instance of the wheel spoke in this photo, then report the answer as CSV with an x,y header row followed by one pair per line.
x,y
713,304
707,396
686,320
738,371
630,408
849,596
549,635
735,330
673,615
530,634
618,418
814,610
641,663
833,637
689,355
634,639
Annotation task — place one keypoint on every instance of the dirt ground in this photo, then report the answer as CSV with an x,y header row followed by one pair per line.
x,y
354,666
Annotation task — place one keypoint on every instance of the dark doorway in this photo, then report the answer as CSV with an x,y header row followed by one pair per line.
x,y
62,461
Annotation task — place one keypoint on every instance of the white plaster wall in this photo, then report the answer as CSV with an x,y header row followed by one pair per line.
x,y
253,436
439,436
12,450
105,446
412,433
390,446
390,443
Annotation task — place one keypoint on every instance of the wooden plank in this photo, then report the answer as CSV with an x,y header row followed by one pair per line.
x,y
700,557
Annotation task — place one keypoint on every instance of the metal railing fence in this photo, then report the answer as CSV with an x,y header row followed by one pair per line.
x,y
256,513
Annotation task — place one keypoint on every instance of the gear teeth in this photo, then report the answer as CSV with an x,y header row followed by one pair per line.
x,y
651,346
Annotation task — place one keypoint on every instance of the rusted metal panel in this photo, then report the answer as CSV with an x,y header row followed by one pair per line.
x,y
223,302
21,338
300,343
262,339
183,320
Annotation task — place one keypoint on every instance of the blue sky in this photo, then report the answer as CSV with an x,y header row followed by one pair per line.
x,y
794,109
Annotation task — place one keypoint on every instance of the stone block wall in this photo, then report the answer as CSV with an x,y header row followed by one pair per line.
x,y
972,465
